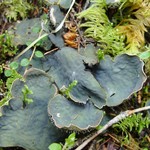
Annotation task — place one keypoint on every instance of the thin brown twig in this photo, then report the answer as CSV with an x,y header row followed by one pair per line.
x,y
55,49
114,138
40,33
33,52
78,29
116,119
107,140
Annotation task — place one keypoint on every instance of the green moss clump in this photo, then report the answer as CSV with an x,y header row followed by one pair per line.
x,y
15,9
122,31
98,26
7,49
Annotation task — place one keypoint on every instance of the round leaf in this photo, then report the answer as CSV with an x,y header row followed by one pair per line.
x,y
25,62
39,54
8,73
14,65
55,146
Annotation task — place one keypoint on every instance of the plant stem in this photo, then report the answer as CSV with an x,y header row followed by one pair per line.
x,y
62,22
116,119
32,44
34,49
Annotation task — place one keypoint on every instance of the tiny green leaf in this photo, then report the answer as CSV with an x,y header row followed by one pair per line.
x,y
14,65
66,90
24,62
39,54
8,73
26,91
70,141
145,55
99,127
55,146
100,54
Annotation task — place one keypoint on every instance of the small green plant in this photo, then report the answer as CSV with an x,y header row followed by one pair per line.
x,y
66,90
25,62
26,91
135,123
7,49
69,143
55,146
12,75
39,54
15,9
100,54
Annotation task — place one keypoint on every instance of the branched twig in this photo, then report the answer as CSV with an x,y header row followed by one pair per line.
x,y
33,52
31,45
116,119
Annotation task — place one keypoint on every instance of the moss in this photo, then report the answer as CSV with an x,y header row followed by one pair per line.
x,y
7,49
15,9
121,31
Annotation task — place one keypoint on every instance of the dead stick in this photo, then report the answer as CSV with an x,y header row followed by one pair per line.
x,y
116,119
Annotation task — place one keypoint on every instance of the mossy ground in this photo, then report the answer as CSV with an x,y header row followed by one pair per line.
x,y
110,140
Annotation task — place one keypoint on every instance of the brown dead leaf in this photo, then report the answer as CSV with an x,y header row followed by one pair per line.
x,y
71,43
70,36
70,39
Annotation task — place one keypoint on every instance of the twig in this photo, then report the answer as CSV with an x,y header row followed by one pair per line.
x,y
35,45
30,58
62,22
76,23
55,49
129,148
110,123
32,44
33,52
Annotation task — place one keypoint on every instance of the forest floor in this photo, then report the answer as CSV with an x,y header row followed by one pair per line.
x,y
113,138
